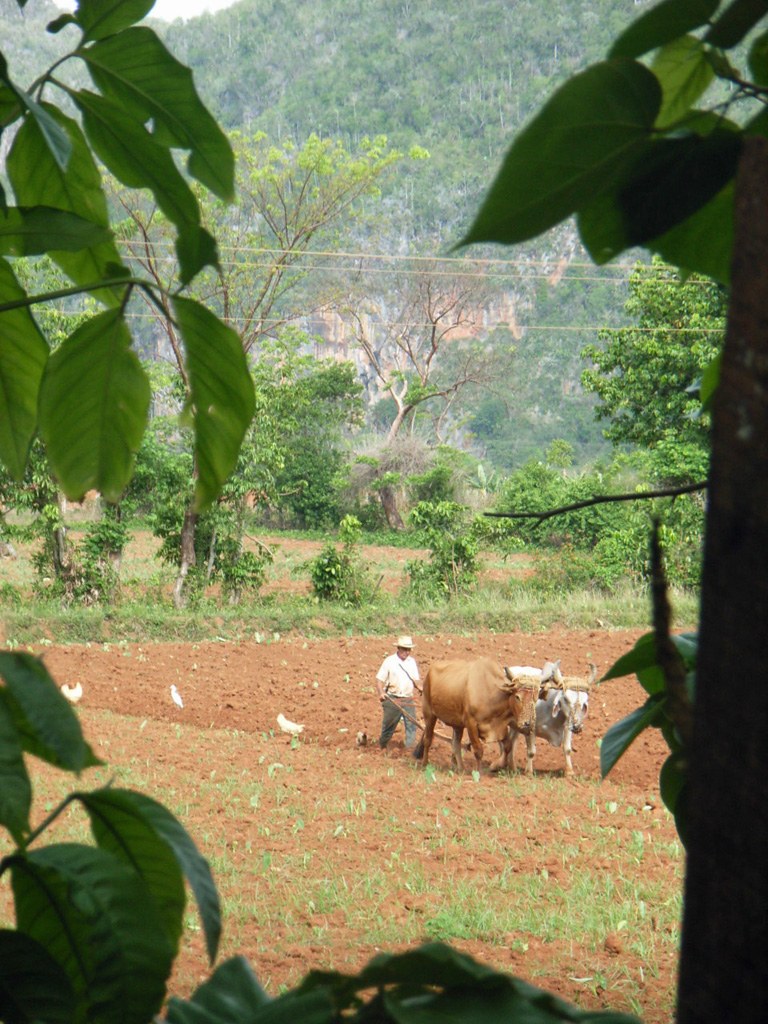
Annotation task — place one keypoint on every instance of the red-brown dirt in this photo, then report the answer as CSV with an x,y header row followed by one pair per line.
x,y
232,695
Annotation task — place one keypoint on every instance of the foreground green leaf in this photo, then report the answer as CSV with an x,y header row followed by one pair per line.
x,y
685,75
45,721
703,243
195,249
577,147
672,779
231,995
735,22
643,661
96,918
222,394
101,18
758,59
23,354
33,987
94,399
136,71
621,736
56,139
59,23
667,184
710,382
663,23
130,152
120,831
15,787
30,231
145,834
38,180
642,656
675,791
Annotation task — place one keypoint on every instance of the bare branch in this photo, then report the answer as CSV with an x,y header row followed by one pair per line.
x,y
601,499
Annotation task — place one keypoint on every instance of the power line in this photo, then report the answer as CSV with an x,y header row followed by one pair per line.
x,y
552,328
299,267
394,257
549,270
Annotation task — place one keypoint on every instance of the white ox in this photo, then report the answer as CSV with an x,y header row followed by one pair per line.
x,y
559,715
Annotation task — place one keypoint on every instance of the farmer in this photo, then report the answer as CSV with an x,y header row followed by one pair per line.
x,y
395,681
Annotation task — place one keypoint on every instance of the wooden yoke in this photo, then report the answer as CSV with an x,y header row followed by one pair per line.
x,y
570,682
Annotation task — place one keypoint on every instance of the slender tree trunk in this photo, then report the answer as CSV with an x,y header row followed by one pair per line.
x,y
211,556
394,430
389,503
724,960
60,547
188,559
116,557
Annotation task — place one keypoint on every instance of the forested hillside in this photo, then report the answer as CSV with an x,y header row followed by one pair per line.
x,y
458,83
457,79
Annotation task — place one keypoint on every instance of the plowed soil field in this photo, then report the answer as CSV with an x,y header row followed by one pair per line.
x,y
325,851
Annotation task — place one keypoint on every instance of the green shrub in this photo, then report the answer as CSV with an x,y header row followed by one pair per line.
x,y
241,571
100,553
436,484
337,574
573,570
9,595
452,569
333,575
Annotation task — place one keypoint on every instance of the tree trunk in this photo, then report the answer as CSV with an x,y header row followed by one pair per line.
x,y
60,545
211,556
394,430
389,503
188,559
116,557
724,959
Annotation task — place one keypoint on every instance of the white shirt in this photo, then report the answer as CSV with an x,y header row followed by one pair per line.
x,y
398,675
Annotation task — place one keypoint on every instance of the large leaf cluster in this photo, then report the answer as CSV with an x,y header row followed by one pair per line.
x,y
655,713
89,398
429,984
633,148
97,926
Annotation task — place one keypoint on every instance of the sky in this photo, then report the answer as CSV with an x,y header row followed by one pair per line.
x,y
169,10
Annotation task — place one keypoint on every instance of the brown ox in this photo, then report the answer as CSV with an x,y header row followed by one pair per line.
x,y
479,696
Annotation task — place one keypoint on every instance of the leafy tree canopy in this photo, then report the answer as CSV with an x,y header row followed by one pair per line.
x,y
648,376
89,398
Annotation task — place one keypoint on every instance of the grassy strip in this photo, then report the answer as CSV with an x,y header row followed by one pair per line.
x,y
487,609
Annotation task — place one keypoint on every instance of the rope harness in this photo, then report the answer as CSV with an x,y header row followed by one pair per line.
x,y
564,684
550,678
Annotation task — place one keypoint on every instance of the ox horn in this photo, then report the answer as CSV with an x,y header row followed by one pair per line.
x,y
551,672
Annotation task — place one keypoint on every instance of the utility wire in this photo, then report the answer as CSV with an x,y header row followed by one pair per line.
x,y
552,328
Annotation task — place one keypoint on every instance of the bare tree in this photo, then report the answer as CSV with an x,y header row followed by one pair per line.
x,y
424,341
289,200
405,333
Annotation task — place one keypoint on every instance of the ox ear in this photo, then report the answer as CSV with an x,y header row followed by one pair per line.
x,y
557,704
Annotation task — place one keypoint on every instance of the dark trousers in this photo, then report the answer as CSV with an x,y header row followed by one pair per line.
x,y
392,712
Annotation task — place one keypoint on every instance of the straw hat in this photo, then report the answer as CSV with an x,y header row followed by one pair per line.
x,y
405,641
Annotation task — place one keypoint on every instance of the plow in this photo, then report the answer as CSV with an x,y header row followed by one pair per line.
x,y
416,722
